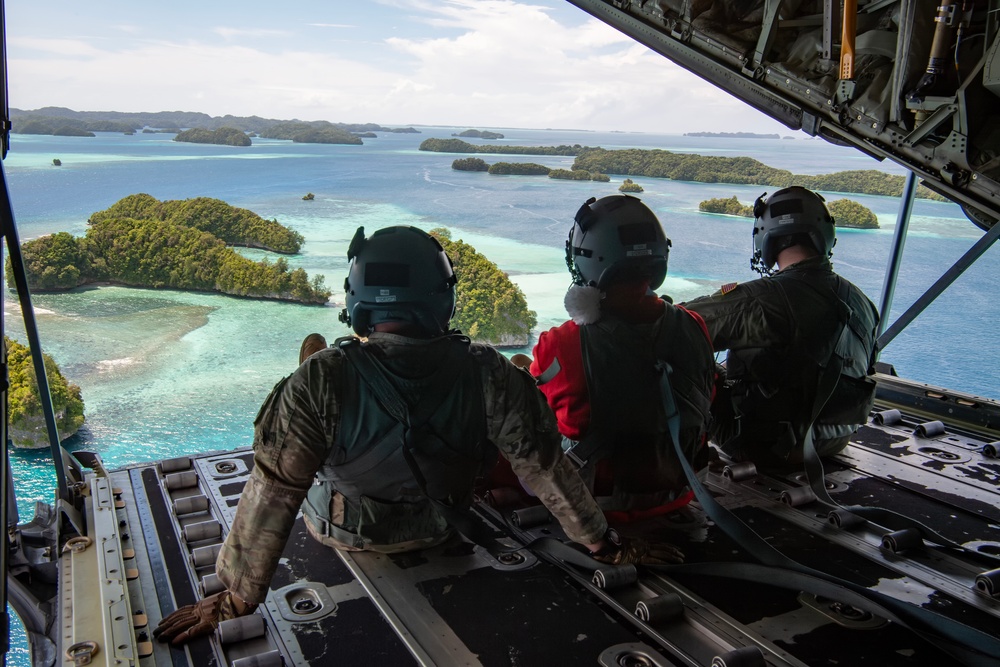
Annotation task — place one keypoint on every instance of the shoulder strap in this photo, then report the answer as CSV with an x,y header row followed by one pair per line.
x,y
951,636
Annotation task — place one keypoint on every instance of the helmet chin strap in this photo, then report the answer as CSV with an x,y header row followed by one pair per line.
x,y
757,264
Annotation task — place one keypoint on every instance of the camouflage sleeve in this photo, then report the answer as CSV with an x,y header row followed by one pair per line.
x,y
753,314
520,423
292,434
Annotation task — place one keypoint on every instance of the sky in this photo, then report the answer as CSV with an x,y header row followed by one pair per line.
x,y
470,63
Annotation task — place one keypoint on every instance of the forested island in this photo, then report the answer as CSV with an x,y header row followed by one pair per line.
x,y
846,212
578,175
27,422
459,146
518,169
311,133
224,136
143,242
525,169
61,121
658,163
630,186
478,134
490,308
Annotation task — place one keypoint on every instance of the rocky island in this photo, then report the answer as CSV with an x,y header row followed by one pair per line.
x,y
143,242
27,422
478,134
490,308
846,212
224,136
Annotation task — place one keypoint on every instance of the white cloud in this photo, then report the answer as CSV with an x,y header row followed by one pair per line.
x,y
233,33
487,63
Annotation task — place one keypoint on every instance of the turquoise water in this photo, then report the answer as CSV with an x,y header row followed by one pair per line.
x,y
169,373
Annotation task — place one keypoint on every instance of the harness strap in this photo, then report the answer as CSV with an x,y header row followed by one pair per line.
x,y
814,465
958,639
374,374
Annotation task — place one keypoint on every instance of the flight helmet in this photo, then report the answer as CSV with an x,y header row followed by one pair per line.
x,y
616,237
786,218
399,274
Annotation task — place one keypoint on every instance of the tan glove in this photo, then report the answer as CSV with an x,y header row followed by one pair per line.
x,y
201,618
621,550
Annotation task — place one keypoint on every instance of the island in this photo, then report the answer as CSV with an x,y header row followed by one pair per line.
x,y
579,175
312,133
731,206
459,146
658,163
143,242
478,134
470,164
490,308
846,212
60,120
26,420
56,162
518,169
308,196
224,136
628,185
851,214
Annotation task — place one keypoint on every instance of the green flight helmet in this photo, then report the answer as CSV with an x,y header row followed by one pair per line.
x,y
616,237
785,218
399,274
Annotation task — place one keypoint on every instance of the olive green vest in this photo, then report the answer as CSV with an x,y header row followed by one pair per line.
x,y
627,414
383,501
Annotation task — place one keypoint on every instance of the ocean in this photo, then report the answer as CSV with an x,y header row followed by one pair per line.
x,y
166,373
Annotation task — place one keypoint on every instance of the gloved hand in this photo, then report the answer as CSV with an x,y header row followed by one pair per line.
x,y
621,550
201,618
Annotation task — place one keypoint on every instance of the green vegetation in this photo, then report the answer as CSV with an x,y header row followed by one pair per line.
x,y
470,164
478,134
143,242
27,423
848,213
308,196
168,121
578,175
459,146
731,206
658,163
518,169
312,133
224,136
233,225
490,307
628,185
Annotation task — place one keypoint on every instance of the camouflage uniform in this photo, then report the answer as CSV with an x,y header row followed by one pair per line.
x,y
296,433
780,332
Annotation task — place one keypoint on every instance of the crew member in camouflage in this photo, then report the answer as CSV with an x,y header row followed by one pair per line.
x,y
324,420
782,331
